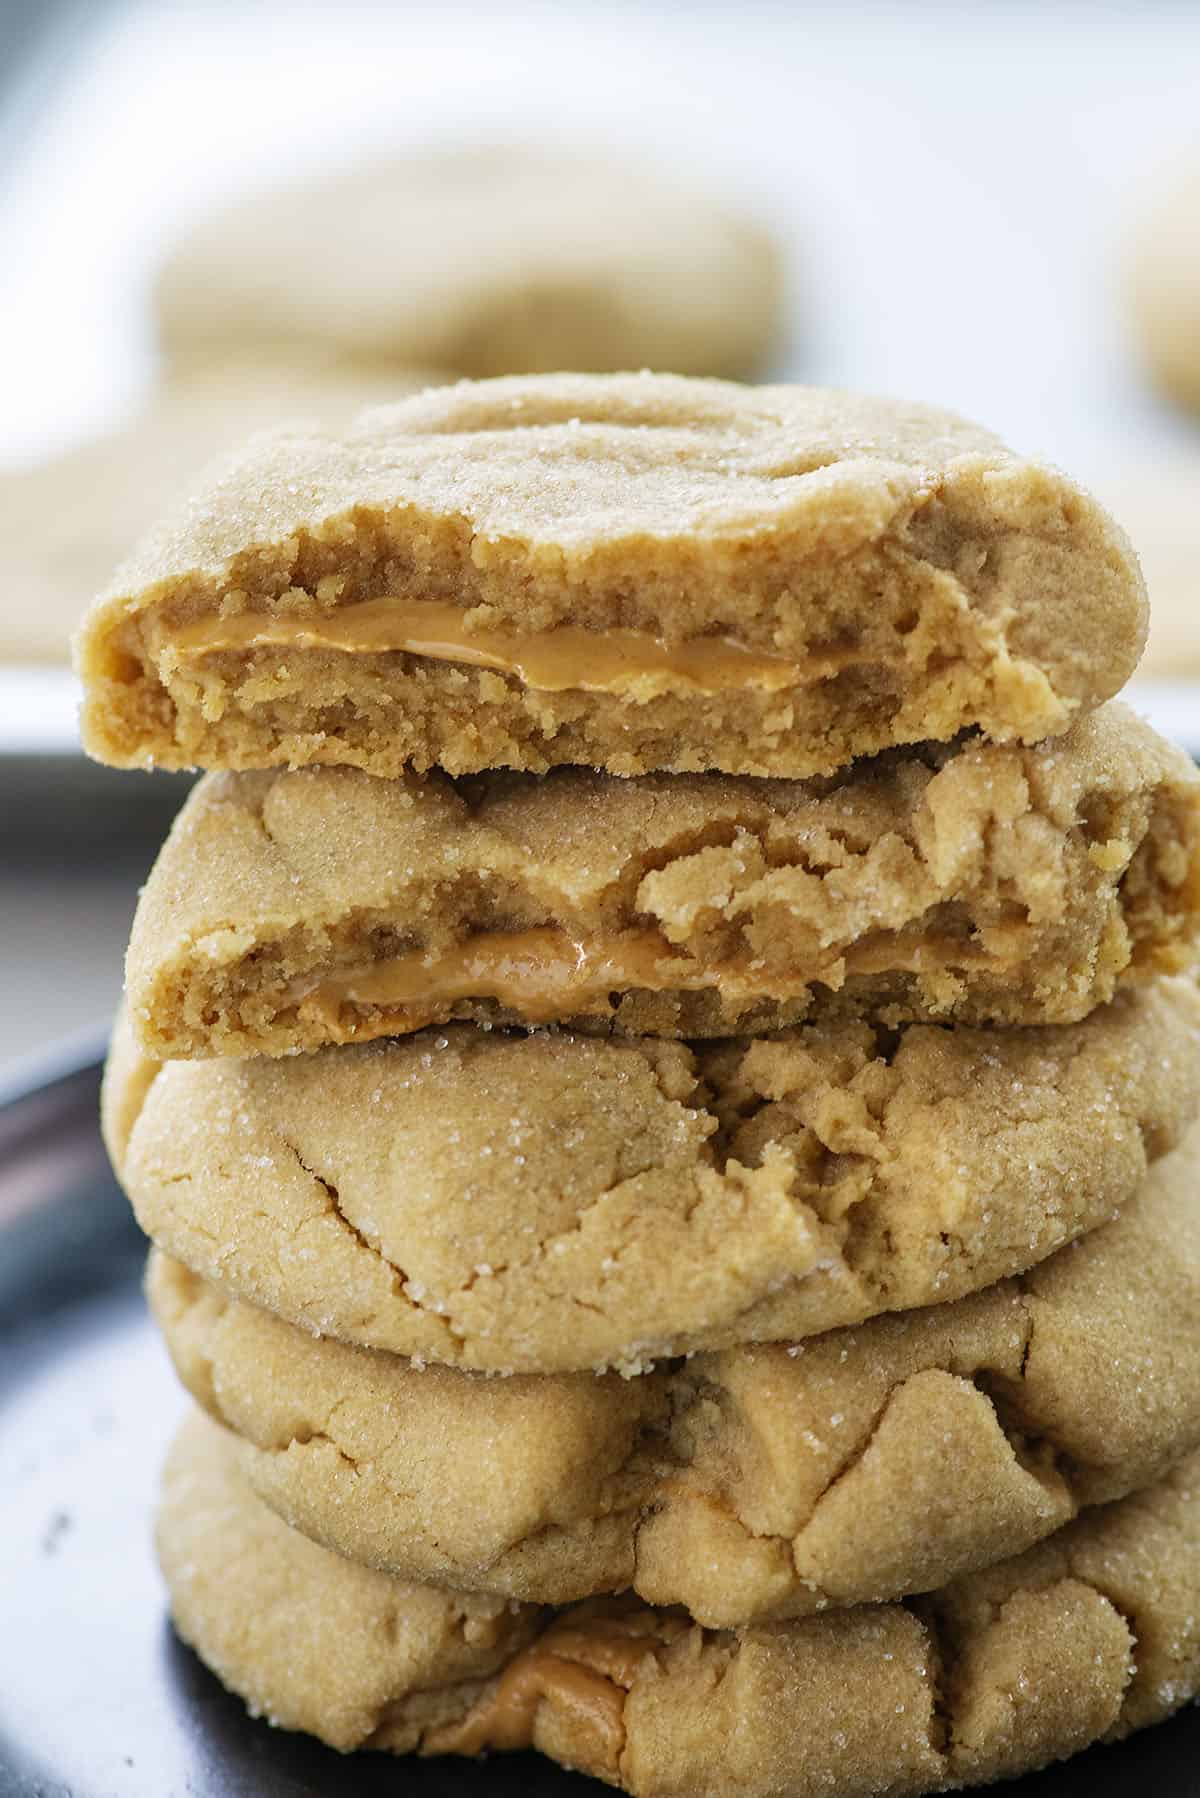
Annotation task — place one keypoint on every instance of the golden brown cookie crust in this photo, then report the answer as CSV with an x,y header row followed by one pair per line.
x,y
547,1203
1085,1638
406,1650
754,1483
901,572
129,1073
490,260
985,884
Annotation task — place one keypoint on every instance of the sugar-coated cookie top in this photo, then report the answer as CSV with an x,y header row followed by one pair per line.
x,y
786,578
566,483
571,463
761,1481
547,1203
1093,1631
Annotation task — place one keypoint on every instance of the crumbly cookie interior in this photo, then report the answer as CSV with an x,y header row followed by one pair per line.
x,y
918,577
977,884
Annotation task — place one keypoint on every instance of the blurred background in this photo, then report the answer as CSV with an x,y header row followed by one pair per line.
x,y
983,206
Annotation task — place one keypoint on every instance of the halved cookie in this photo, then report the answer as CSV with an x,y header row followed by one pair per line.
x,y
984,884
546,1203
633,572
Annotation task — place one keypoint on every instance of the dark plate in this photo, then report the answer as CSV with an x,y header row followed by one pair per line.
x,y
97,1699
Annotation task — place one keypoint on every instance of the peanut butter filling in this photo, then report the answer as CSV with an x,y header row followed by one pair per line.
x,y
565,659
583,1670
546,973
540,973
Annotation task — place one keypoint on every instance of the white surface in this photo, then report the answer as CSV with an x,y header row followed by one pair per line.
x,y
1172,707
39,711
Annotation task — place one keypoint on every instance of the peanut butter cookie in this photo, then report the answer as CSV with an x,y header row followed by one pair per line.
x,y
1163,283
1091,1635
984,884
549,1203
755,1483
489,261
409,1642
1157,499
634,572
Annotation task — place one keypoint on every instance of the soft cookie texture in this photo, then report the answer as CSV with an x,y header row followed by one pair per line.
x,y
549,1203
1163,281
261,1598
490,261
633,572
755,1483
985,884
67,522
1090,1635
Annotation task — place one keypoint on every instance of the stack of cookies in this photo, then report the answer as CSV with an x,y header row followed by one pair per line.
x,y
658,1070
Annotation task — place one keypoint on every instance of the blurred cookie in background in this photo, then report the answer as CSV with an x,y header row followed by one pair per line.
x,y
487,261
1163,282
1158,503
69,522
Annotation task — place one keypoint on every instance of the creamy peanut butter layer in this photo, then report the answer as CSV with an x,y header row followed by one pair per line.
x,y
563,660
983,883
632,572
549,1203
852,1468
1083,1639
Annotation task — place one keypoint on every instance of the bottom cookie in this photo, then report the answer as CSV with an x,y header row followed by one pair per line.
x,y
1090,1635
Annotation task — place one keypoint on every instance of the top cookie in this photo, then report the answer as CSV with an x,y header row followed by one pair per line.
x,y
489,261
633,572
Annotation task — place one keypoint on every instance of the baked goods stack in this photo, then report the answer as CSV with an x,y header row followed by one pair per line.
x,y
658,1071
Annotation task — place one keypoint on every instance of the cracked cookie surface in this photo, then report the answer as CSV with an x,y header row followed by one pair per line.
x,y
981,884
547,1203
1088,1636
408,1645
768,1482
632,572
